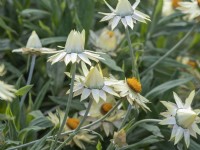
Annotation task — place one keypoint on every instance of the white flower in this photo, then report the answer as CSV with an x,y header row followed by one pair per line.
x,y
192,9
2,70
131,89
106,40
126,13
74,50
92,83
98,110
169,7
72,124
34,46
7,92
182,117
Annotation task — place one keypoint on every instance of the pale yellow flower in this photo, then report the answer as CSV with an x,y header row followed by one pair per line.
x,y
126,13
182,118
72,124
34,46
106,40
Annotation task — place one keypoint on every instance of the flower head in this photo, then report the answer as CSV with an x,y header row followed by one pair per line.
x,y
126,13
71,124
7,92
192,9
74,50
182,117
92,83
106,40
131,88
34,46
169,7
98,110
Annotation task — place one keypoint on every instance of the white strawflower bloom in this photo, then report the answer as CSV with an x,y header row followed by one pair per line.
x,y
106,40
7,92
74,50
126,13
131,89
192,9
92,83
169,7
182,118
34,46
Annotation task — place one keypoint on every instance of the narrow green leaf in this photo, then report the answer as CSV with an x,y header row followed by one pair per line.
x,y
22,91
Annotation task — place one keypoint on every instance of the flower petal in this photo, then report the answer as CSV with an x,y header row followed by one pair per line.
x,y
95,94
115,21
74,57
84,58
123,20
85,94
102,94
110,91
129,21
188,101
178,100
187,137
179,135
169,120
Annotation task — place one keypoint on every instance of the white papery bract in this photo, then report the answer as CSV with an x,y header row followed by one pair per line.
x,y
74,50
126,13
191,9
34,46
92,83
182,118
7,92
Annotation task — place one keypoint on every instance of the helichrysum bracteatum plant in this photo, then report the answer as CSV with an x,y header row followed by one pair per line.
x,y
121,62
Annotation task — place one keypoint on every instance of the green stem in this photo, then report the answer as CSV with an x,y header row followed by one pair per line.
x,y
170,51
126,117
68,132
140,122
131,51
32,66
79,126
73,72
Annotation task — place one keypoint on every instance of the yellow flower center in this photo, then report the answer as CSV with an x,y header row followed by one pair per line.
x,y
192,63
175,3
134,84
110,33
106,107
72,123
198,1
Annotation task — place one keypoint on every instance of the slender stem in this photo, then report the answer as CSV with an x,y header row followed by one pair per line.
x,y
73,72
170,51
126,117
68,132
131,51
79,126
140,122
32,66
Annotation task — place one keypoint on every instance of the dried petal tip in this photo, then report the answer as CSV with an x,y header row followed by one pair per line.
x,y
134,84
34,41
72,123
185,117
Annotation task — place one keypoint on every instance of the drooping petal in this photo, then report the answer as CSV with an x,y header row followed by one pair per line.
x,y
129,21
67,59
110,91
179,135
115,21
170,106
123,20
196,128
95,94
173,134
169,120
74,57
85,94
187,137
102,94
84,58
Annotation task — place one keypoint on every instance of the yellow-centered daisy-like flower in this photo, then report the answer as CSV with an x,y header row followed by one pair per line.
x,y
131,88
72,124
92,83
192,9
34,46
126,13
98,110
106,40
74,50
169,6
182,118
